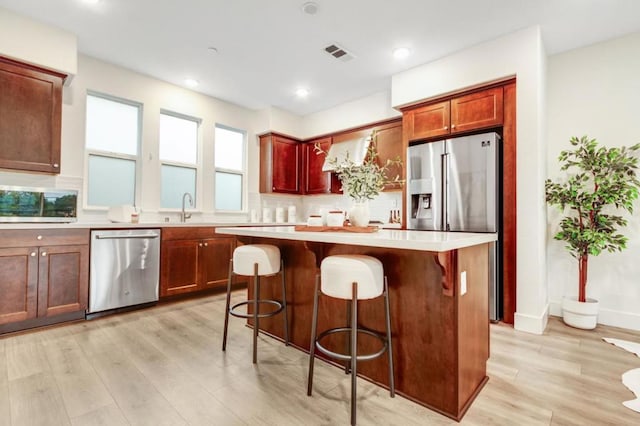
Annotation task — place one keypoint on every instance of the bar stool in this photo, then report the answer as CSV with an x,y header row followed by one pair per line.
x,y
351,277
257,260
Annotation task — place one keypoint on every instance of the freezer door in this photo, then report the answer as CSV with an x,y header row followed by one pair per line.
x,y
472,183
424,186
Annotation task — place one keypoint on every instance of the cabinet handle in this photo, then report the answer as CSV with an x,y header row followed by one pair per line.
x,y
39,237
200,244
44,253
206,244
446,127
274,188
56,165
453,126
33,254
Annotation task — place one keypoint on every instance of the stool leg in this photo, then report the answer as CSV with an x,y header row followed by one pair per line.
x,y
314,327
256,324
392,387
226,311
284,305
347,364
354,346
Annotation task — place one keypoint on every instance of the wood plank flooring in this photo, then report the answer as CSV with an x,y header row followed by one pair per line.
x,y
164,366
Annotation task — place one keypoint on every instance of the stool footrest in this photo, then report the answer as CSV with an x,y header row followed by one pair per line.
x,y
276,303
345,357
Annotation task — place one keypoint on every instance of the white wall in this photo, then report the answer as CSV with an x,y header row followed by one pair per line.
x,y
369,109
38,44
520,54
594,91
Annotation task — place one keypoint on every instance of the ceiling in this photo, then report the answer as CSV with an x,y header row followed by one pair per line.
x,y
266,49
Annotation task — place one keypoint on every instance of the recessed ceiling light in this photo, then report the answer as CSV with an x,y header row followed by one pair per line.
x,y
401,52
302,92
190,82
310,8
91,1
212,50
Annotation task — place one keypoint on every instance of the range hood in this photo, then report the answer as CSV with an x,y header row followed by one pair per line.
x,y
352,151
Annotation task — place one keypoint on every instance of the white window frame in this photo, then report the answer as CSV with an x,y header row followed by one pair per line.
x,y
243,173
197,202
110,154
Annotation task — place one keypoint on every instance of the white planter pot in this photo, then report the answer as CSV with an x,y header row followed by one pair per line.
x,y
359,214
582,315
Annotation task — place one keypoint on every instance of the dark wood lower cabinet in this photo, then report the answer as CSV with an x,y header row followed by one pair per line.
x,y
193,259
44,277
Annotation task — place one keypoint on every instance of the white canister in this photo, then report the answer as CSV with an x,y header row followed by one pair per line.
x,y
314,220
279,215
292,215
267,215
335,218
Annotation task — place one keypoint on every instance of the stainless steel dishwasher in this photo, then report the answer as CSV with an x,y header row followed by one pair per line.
x,y
125,268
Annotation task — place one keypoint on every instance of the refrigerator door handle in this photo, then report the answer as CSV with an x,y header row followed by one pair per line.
x,y
444,208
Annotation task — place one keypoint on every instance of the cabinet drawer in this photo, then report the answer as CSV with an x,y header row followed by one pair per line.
x,y
188,233
43,237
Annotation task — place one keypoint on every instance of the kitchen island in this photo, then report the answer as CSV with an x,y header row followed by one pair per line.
x,y
438,284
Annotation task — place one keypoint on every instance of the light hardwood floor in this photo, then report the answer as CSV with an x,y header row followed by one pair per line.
x,y
164,366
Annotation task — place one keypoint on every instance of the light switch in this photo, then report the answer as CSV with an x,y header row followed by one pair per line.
x,y
463,282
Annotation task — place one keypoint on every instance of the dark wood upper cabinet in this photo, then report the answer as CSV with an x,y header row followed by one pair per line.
x,y
389,146
475,111
280,164
30,117
429,121
316,181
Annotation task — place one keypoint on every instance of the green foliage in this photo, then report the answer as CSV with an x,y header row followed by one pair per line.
x,y
605,178
364,182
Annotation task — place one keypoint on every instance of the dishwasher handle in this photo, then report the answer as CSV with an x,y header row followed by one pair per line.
x,y
125,237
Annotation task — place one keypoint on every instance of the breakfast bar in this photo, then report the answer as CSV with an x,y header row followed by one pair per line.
x,y
438,285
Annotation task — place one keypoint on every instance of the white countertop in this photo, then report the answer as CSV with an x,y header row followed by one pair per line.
x,y
391,238
120,225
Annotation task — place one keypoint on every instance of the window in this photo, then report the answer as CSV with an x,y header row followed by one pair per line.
x,y
229,168
178,157
112,145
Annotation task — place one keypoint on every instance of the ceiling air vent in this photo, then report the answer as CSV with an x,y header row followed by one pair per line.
x,y
339,52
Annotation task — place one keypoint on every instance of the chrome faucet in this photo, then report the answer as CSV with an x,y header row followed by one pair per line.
x,y
184,215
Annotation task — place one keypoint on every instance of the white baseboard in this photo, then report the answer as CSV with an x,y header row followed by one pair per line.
x,y
628,320
534,324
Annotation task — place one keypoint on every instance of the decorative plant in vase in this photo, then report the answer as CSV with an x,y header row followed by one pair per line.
x,y
605,179
363,182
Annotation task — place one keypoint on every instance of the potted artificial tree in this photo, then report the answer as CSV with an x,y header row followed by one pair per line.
x,y
600,181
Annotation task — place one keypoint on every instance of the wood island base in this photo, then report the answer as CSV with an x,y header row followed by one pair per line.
x,y
440,334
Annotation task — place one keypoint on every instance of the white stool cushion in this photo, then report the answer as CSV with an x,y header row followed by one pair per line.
x,y
338,273
266,256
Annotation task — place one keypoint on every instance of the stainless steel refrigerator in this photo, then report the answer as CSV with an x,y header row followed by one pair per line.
x,y
453,185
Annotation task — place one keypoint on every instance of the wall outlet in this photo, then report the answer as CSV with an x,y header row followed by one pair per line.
x,y
463,282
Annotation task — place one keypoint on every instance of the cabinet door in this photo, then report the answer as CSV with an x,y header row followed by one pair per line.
x,y
179,267
30,117
477,110
389,145
428,121
285,155
316,181
63,279
18,284
215,254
